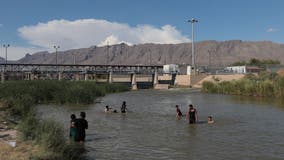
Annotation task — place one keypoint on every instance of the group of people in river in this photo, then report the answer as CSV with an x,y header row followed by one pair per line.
x,y
191,115
123,108
78,127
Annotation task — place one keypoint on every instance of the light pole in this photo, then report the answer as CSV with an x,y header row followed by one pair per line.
x,y
74,58
56,48
6,48
192,21
107,54
209,57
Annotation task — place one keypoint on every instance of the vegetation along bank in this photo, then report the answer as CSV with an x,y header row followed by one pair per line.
x,y
265,84
45,139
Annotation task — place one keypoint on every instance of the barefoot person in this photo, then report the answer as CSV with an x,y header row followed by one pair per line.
x,y
179,114
81,125
192,115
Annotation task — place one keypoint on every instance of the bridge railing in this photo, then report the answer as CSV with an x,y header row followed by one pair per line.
x,y
95,69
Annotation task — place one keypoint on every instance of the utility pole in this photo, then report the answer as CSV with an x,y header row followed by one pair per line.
x,y
107,61
192,21
209,57
56,57
6,49
6,61
74,58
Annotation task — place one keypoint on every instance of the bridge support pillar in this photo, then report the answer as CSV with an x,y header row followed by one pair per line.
x,y
27,76
133,82
2,77
77,76
60,76
86,76
110,80
155,79
173,80
32,76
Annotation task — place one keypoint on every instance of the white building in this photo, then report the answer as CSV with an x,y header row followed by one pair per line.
x,y
170,68
237,69
243,69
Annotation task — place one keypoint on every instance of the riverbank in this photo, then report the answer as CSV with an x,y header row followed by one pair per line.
x,y
44,138
11,146
266,84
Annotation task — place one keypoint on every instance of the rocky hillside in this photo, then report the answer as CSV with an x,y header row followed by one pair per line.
x,y
2,60
221,53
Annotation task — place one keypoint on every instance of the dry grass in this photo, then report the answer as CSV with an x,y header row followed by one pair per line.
x,y
23,151
281,72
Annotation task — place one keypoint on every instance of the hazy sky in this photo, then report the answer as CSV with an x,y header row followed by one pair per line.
x,y
34,25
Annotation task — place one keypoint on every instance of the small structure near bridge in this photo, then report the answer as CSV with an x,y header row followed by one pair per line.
x,y
244,69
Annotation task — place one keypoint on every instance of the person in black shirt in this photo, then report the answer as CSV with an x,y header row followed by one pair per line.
x,y
123,107
192,115
81,125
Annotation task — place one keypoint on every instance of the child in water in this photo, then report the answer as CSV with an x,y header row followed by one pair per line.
x,y
210,120
72,132
107,109
179,114
123,107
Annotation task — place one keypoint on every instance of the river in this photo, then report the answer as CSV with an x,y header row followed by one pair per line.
x,y
243,129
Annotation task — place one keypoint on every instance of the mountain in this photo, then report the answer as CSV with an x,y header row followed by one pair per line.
x,y
220,53
2,60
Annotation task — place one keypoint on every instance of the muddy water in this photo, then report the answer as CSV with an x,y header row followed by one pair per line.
x,y
242,130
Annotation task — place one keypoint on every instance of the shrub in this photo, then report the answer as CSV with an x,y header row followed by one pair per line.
x,y
21,97
50,135
28,127
209,87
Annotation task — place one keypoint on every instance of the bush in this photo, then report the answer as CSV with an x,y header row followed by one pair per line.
x,y
21,97
267,84
73,152
28,127
50,135
209,87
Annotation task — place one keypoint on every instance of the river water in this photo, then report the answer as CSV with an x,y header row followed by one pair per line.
x,y
244,129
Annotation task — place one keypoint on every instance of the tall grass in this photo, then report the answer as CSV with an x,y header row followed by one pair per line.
x,y
21,97
58,91
266,84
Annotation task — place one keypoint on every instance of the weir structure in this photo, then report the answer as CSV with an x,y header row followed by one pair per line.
x,y
18,71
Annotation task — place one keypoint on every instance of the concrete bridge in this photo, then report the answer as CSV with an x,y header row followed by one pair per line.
x,y
18,71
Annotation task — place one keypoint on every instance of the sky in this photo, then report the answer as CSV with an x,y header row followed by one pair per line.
x,y
31,26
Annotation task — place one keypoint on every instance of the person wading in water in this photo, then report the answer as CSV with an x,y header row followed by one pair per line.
x,y
72,132
179,114
192,115
123,107
81,125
